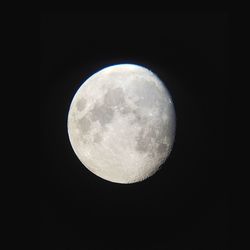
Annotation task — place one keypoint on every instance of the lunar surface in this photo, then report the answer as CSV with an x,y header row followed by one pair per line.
x,y
121,123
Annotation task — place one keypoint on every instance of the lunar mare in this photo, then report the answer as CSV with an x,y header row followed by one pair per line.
x,y
121,123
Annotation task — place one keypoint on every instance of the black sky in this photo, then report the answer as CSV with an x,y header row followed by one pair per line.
x,y
186,204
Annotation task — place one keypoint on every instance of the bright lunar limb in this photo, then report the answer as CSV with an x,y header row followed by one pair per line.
x,y
121,123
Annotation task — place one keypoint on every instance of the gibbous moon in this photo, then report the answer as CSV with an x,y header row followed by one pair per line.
x,y
121,123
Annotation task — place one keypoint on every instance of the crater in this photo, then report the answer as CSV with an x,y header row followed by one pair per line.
x,y
143,141
125,109
162,148
139,118
141,145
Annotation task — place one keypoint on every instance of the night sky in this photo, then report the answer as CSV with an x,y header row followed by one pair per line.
x,y
186,204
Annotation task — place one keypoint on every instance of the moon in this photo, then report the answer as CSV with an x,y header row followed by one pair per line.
x,y
121,123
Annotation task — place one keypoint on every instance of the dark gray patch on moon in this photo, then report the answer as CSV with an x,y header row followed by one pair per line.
x,y
146,140
114,97
162,148
81,104
104,112
101,113
142,142
84,124
140,119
